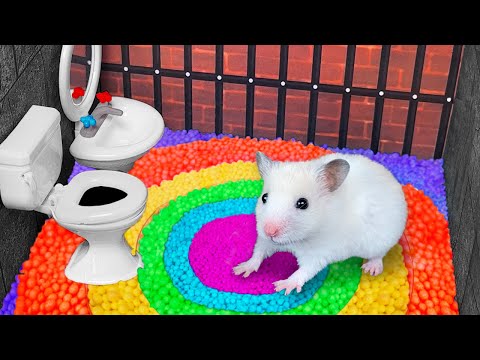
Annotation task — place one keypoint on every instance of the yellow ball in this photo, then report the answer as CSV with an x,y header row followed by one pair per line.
x,y
100,289
142,309
389,309
96,298
97,310
360,304
365,285
383,298
399,303
123,309
353,310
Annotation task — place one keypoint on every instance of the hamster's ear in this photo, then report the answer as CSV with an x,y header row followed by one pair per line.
x,y
333,174
264,163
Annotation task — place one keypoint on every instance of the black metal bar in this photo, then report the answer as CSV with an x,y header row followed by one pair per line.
x,y
157,79
219,89
243,80
350,64
412,107
282,91
127,86
398,95
88,55
380,100
447,107
79,59
250,103
187,66
312,109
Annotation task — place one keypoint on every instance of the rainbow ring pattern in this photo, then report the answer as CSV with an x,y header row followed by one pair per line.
x,y
196,215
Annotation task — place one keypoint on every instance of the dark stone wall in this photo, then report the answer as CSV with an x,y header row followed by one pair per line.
x,y
462,177
28,76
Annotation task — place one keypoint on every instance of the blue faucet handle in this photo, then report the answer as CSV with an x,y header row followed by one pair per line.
x,y
88,121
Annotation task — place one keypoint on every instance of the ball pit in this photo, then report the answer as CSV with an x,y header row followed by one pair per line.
x,y
424,285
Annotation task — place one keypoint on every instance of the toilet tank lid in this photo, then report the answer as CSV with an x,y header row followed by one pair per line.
x,y
29,136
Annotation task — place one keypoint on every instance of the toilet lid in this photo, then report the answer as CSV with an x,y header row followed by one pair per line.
x,y
69,211
75,111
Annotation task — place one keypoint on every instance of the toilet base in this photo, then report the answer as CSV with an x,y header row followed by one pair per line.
x,y
103,262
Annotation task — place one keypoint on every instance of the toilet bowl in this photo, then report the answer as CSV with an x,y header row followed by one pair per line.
x,y
120,140
105,257
97,205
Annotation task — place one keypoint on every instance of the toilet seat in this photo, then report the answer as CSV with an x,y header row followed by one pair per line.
x,y
72,110
68,211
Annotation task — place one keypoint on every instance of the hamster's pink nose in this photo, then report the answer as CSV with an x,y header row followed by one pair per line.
x,y
271,229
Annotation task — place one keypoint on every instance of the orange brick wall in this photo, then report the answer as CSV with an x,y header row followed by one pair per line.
x,y
402,58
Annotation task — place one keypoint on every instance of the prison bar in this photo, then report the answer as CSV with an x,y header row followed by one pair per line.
x,y
187,85
413,101
345,114
380,100
282,91
127,86
314,87
249,80
157,79
219,89
313,106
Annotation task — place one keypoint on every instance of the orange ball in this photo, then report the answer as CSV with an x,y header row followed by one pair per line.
x,y
64,307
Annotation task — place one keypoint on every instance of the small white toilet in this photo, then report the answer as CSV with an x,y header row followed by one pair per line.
x,y
97,205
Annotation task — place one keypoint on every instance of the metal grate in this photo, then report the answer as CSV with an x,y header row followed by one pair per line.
x,y
380,93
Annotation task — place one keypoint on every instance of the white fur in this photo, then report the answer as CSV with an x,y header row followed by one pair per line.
x,y
364,217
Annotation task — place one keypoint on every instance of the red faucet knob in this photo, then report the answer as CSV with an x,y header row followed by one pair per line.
x,y
77,92
104,97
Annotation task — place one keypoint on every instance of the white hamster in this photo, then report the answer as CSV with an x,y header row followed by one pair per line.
x,y
323,211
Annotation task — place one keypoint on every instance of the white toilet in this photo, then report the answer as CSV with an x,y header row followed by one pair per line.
x,y
121,139
97,205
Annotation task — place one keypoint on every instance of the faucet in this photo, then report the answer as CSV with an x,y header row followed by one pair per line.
x,y
99,115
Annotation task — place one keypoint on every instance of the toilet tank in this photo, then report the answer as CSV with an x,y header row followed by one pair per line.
x,y
31,159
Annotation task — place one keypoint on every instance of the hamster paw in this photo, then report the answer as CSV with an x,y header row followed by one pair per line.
x,y
373,267
246,268
288,285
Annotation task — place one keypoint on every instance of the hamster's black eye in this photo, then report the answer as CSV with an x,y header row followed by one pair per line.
x,y
302,204
264,198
